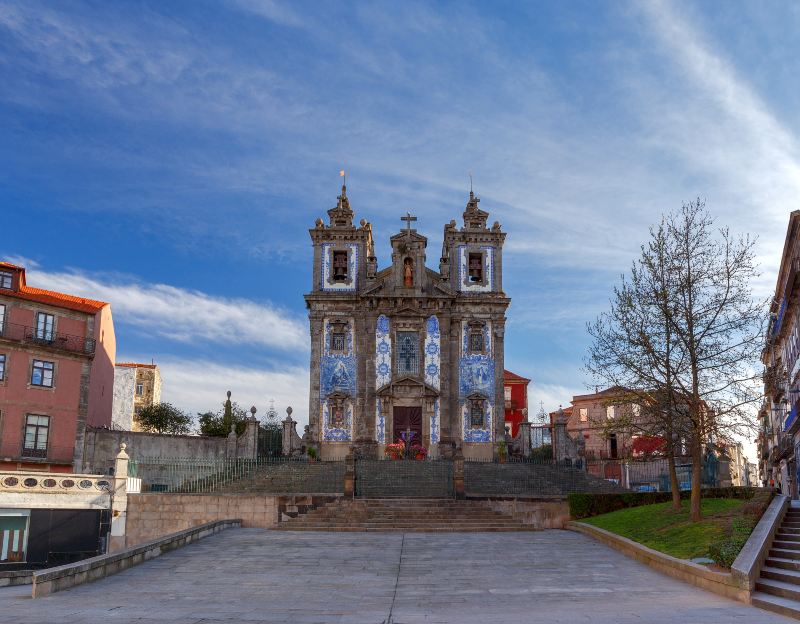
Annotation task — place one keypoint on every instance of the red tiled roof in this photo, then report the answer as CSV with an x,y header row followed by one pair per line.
x,y
514,378
50,297
135,365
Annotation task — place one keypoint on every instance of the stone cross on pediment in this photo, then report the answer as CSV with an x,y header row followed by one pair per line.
x,y
408,219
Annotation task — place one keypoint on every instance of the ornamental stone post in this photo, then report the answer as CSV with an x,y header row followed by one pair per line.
x,y
119,501
525,438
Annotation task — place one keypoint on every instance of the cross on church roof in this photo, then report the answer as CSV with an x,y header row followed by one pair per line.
x,y
408,219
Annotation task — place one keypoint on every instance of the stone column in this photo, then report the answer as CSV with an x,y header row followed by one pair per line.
x,y
288,429
560,442
350,474
458,473
119,502
251,435
525,438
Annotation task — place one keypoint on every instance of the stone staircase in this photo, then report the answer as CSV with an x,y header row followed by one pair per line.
x,y
778,588
407,515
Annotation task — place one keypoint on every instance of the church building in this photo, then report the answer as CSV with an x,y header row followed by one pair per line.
x,y
407,348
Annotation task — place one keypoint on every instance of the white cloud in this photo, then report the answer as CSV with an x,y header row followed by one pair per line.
x,y
272,11
198,386
182,315
723,130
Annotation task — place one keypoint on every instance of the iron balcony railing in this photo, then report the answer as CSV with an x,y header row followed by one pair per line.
x,y
47,338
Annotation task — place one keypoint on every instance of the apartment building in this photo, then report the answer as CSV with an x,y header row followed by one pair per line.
x,y
56,373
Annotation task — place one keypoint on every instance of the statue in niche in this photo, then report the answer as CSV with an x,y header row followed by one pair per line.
x,y
408,273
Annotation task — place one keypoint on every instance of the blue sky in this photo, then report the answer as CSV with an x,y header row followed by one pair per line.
x,y
170,158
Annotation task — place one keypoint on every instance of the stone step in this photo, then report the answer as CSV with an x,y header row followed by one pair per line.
x,y
783,554
784,545
783,536
781,574
789,530
776,604
786,564
778,588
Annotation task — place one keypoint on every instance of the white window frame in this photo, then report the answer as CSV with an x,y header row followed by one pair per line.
x,y
37,426
43,332
6,277
140,389
44,369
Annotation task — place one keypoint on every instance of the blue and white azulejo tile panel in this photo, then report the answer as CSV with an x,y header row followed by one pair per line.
x,y
380,423
432,352
435,422
476,375
328,285
331,433
477,435
337,371
383,352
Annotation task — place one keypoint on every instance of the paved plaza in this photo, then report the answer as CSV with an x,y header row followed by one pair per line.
x,y
253,575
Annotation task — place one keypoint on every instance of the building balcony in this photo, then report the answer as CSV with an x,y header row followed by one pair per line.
x,y
49,339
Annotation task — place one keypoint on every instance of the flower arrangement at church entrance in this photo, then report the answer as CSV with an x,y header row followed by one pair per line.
x,y
395,451
405,449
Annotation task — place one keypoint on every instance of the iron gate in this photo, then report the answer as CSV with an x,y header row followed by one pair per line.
x,y
382,478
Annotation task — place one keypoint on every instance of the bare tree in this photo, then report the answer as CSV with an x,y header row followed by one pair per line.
x,y
684,334
633,349
718,329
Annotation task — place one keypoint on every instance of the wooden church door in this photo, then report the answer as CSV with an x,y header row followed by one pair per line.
x,y
407,418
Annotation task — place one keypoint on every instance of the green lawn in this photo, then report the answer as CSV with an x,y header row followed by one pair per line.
x,y
670,532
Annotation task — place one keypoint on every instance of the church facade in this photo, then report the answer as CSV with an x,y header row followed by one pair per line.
x,y
406,348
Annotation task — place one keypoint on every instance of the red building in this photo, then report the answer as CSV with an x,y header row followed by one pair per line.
x,y
57,356
516,400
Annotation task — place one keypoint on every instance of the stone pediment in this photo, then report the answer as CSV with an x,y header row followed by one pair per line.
x,y
385,280
408,387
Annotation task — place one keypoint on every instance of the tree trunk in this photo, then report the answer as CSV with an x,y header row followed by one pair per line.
x,y
673,481
697,468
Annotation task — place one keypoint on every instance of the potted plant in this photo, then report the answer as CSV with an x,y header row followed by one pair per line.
x,y
312,454
502,451
419,452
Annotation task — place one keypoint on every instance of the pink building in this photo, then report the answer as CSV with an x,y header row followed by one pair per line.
x,y
57,356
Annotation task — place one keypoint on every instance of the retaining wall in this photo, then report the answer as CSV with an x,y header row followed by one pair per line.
x,y
153,515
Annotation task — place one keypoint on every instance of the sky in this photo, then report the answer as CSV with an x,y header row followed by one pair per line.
x,y
170,158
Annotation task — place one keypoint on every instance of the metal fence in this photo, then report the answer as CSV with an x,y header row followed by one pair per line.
x,y
381,478
264,474
531,477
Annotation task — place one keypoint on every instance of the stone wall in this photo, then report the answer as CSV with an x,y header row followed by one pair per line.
x,y
150,516
538,513
102,445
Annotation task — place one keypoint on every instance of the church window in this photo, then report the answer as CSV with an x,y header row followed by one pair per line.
x,y
339,266
584,414
476,415
476,341
475,267
407,353
338,342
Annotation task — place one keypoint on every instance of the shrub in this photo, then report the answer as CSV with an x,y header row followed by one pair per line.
x,y
587,505
725,551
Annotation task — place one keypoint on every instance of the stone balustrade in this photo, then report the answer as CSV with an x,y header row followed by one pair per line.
x,y
31,490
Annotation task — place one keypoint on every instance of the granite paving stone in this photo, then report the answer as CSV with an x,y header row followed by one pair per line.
x,y
256,575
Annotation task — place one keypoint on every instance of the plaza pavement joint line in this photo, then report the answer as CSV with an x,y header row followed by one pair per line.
x,y
389,620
